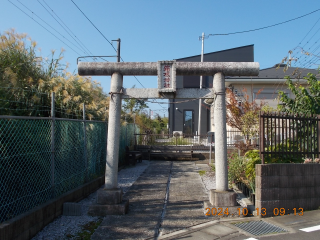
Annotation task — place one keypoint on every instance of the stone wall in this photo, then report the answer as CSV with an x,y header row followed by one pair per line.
x,y
287,186
27,225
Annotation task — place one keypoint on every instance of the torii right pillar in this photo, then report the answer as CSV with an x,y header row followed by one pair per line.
x,y
221,196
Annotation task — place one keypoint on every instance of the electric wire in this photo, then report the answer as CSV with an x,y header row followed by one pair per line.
x,y
48,24
62,27
80,42
75,38
93,25
309,31
103,37
44,28
257,29
299,47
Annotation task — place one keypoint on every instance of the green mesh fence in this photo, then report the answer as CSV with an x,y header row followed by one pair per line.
x,y
28,175
126,139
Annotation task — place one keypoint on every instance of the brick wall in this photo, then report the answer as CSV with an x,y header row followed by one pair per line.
x,y
287,186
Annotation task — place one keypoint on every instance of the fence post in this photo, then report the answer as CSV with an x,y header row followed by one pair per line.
x,y
261,130
134,132
85,142
318,135
52,143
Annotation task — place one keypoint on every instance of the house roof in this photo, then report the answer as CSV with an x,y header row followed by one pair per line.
x,y
278,72
239,54
273,72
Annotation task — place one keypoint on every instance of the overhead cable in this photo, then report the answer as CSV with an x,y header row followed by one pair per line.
x,y
44,27
257,29
104,38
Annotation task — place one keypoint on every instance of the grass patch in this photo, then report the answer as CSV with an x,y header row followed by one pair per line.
x,y
202,172
213,167
86,231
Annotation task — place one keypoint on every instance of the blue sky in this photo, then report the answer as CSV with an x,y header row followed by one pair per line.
x,y
165,30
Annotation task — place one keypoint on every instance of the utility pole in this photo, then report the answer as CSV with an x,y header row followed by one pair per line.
x,y
291,59
199,120
118,49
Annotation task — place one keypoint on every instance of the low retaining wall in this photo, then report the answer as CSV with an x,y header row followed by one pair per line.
x,y
293,188
27,225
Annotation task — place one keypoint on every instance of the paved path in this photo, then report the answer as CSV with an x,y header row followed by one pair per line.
x,y
149,213
181,217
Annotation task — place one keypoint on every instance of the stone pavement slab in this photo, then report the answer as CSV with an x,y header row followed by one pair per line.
x,y
186,196
183,209
146,200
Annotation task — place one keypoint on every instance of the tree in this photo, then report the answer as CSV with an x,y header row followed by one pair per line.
x,y
306,100
26,82
243,116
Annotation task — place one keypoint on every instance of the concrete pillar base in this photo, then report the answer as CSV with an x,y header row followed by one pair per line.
x,y
223,198
109,202
109,196
109,209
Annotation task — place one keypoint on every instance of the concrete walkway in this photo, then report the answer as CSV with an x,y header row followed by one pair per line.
x,y
155,210
159,210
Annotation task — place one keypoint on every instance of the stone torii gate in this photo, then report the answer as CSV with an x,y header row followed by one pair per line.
x,y
166,72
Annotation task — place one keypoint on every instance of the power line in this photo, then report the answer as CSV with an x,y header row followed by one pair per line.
x,y
68,28
257,29
294,54
93,25
309,30
62,26
77,40
48,24
103,37
44,27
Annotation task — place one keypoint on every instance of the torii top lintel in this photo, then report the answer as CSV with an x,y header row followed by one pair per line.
x,y
182,68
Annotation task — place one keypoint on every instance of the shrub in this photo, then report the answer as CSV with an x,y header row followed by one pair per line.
x,y
253,158
236,167
287,157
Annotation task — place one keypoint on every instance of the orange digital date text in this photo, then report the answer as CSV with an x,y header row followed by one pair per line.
x,y
245,212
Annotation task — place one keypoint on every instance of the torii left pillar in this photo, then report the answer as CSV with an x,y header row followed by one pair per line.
x,y
109,198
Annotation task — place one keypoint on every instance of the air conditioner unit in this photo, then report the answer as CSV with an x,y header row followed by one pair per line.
x,y
177,134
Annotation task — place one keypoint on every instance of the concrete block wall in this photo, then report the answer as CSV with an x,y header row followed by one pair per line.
x,y
27,225
287,186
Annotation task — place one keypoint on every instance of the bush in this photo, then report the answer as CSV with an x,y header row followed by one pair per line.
x,y
288,157
253,158
236,168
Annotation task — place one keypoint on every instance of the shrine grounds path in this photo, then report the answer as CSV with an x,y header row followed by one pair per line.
x,y
153,209
166,202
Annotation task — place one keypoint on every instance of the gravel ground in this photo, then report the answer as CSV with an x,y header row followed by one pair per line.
x,y
66,226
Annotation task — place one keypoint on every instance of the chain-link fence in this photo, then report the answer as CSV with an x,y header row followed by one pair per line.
x,y
43,158
127,138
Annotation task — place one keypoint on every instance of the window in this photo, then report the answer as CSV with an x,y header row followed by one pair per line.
x,y
188,122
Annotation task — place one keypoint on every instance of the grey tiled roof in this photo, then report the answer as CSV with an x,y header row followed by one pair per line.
x,y
274,73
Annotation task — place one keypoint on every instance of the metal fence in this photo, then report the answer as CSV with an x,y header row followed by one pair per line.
x,y
234,136
42,158
127,138
289,136
170,140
